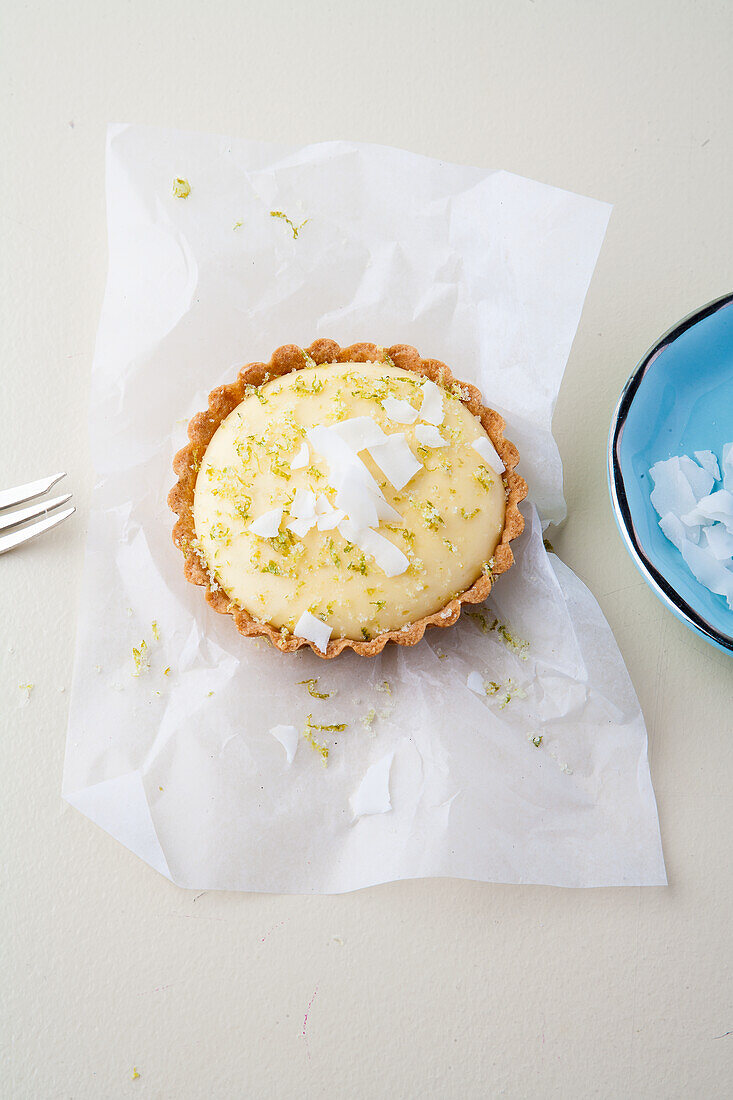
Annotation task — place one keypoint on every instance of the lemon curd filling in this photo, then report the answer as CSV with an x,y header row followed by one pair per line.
x,y
352,491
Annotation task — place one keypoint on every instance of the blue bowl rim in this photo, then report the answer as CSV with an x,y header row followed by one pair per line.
x,y
654,578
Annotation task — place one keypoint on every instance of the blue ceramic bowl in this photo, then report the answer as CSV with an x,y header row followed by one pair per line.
x,y
678,400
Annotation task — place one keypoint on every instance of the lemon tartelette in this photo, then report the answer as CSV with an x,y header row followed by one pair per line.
x,y
344,498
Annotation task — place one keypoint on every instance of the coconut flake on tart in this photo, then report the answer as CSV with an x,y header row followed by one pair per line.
x,y
316,509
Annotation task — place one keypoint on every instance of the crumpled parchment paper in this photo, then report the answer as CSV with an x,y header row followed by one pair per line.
x,y
545,779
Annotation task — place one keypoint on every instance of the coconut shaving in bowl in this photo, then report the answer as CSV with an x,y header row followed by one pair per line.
x,y
694,500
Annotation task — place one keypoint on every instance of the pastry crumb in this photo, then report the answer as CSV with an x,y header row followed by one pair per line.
x,y
181,188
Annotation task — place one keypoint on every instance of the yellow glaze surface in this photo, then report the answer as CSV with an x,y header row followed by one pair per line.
x,y
452,509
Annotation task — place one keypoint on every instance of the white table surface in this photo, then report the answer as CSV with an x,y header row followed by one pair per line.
x,y
420,989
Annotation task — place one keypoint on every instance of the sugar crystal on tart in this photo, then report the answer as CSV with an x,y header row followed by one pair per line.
x,y
346,498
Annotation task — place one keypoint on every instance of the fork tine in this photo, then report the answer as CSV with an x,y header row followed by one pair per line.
x,y
13,519
8,542
21,493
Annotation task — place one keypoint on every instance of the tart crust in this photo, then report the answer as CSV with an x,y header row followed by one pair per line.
x,y
289,358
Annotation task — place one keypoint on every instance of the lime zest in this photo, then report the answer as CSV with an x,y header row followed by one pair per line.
x,y
295,228
511,641
509,691
320,746
368,718
311,685
360,566
141,658
251,390
283,542
516,645
483,477
304,388
430,513
484,625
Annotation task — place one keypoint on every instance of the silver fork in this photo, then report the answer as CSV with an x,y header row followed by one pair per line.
x,y
9,498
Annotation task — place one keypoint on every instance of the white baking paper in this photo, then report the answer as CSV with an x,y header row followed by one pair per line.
x,y
545,779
